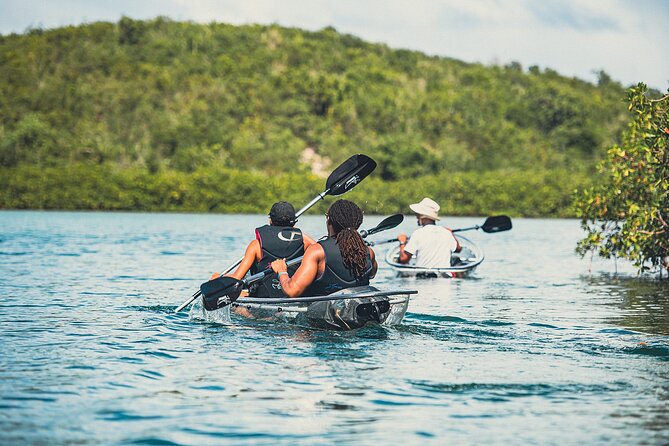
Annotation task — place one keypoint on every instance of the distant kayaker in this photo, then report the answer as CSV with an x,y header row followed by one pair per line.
x,y
279,239
341,260
430,245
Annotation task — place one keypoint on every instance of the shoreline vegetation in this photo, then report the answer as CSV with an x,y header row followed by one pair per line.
x,y
108,188
160,115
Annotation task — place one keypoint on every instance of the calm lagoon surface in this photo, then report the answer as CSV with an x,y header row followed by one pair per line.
x,y
533,349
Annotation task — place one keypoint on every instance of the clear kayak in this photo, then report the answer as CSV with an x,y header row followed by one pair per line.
x,y
463,263
347,309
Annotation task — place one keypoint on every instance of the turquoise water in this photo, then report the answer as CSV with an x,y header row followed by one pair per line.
x,y
533,349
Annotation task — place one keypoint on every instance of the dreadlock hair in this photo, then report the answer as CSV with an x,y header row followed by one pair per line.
x,y
345,218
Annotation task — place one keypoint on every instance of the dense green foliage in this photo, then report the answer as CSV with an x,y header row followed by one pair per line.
x,y
627,213
140,114
108,187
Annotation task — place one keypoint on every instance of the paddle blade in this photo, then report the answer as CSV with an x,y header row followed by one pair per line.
x,y
349,174
388,223
220,292
497,224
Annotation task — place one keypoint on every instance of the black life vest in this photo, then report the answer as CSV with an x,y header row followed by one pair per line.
x,y
276,242
336,276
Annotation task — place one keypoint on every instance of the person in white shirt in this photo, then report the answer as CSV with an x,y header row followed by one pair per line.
x,y
430,245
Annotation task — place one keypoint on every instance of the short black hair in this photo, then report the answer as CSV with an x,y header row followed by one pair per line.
x,y
282,214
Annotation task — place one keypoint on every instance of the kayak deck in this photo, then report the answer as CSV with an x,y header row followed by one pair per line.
x,y
370,292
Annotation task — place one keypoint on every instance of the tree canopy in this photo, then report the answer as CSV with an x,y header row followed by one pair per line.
x,y
168,102
627,213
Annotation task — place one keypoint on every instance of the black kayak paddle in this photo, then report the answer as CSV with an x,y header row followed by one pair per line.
x,y
491,225
344,178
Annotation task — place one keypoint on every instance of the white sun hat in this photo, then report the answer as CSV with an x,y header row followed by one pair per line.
x,y
427,208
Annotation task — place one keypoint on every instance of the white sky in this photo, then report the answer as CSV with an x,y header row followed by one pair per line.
x,y
626,38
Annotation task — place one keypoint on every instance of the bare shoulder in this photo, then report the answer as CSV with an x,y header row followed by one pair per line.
x,y
254,248
314,251
308,241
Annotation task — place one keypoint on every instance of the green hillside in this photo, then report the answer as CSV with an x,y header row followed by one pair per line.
x,y
163,115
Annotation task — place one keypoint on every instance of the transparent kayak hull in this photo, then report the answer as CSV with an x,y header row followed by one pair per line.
x,y
462,264
348,309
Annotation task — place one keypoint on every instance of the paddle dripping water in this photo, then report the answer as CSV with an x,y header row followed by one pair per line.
x,y
220,316
532,349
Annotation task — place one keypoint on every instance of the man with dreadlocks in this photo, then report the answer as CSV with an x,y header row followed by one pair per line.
x,y
341,260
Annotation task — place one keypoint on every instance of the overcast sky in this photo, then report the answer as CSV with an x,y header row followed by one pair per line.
x,y
626,38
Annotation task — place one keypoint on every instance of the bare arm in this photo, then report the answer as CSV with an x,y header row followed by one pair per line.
x,y
305,274
404,256
375,266
251,255
458,248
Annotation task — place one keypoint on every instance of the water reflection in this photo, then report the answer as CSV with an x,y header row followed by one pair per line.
x,y
644,301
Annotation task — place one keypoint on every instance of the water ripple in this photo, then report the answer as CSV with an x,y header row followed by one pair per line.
x,y
532,350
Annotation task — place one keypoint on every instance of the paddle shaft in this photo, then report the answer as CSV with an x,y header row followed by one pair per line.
x,y
491,225
248,281
466,229
382,242
261,275
390,240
